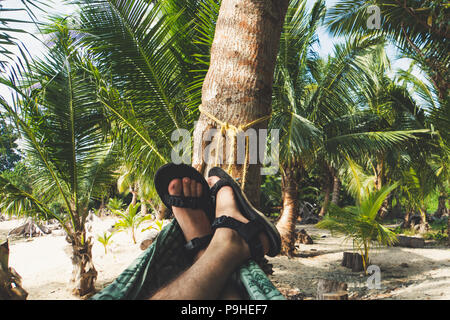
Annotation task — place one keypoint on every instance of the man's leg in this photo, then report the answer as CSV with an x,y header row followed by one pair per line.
x,y
207,277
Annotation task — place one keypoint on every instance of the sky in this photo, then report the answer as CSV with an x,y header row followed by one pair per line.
x,y
36,48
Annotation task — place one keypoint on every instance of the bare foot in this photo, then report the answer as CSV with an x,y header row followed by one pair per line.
x,y
226,206
193,222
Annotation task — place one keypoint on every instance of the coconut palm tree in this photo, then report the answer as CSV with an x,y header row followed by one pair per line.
x,y
63,127
291,88
155,55
316,107
360,223
8,39
150,50
419,28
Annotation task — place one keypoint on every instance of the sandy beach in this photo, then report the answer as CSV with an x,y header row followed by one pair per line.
x,y
406,273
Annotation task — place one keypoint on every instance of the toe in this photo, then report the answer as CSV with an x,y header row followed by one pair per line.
x,y
212,180
193,188
187,187
175,187
199,188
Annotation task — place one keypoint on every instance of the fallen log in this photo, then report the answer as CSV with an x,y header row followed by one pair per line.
x,y
29,229
410,242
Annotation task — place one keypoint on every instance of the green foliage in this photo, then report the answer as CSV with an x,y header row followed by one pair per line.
x,y
8,147
157,225
360,223
439,236
63,128
440,225
8,37
19,176
115,204
271,192
130,219
438,231
105,240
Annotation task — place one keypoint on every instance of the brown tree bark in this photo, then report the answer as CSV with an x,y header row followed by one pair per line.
x,y
424,226
238,86
326,201
84,273
379,182
144,207
10,280
386,207
407,219
442,207
327,185
379,179
336,188
290,211
134,192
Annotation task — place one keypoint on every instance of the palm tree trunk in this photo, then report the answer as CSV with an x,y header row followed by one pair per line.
x,y
336,188
238,86
386,207
84,273
135,195
290,211
379,173
326,200
442,208
144,207
407,219
424,226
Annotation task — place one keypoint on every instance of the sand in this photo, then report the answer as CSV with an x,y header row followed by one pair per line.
x,y
406,273
45,266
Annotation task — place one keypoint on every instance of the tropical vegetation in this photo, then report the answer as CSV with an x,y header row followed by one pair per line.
x,y
91,120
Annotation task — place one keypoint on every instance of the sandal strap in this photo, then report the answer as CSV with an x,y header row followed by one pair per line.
x,y
218,185
248,231
184,202
197,244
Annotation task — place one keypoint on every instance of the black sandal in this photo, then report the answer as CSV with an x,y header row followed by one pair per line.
x,y
162,179
257,220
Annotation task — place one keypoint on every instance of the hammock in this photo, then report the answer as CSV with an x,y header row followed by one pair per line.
x,y
165,259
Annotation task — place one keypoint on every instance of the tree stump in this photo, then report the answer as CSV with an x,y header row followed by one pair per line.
x,y
331,287
353,261
358,264
347,259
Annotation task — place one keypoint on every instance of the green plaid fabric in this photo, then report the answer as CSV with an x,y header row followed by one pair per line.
x,y
164,260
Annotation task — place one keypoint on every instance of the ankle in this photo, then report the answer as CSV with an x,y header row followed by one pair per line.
x,y
230,239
